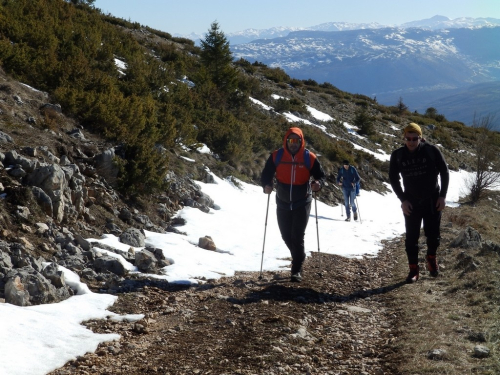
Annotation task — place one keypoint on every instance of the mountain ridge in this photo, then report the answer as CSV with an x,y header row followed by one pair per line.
x,y
433,23
378,62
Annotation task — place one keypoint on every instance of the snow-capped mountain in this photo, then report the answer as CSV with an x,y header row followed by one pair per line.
x,y
434,23
249,35
442,22
373,61
388,62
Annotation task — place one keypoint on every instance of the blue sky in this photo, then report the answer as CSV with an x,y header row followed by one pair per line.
x,y
195,16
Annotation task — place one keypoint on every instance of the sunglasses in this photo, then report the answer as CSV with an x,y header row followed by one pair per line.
x,y
294,140
412,139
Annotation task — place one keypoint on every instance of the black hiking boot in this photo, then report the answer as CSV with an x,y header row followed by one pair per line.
x,y
432,265
296,277
413,275
348,218
355,216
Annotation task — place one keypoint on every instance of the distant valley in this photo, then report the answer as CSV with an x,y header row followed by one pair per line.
x,y
455,70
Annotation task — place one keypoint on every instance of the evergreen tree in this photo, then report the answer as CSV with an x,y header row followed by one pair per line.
x,y
217,58
364,122
401,106
431,112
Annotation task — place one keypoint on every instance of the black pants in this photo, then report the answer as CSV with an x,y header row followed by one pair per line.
x,y
292,224
426,211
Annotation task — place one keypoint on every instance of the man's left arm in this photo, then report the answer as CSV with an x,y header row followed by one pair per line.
x,y
356,176
444,174
318,175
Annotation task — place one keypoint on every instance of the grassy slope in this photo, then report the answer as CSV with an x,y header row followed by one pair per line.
x,y
457,310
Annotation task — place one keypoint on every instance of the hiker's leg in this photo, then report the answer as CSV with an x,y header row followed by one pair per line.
x,y
345,192
285,220
300,220
412,223
432,230
353,200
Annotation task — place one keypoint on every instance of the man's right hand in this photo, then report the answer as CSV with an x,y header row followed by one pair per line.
x,y
407,207
268,189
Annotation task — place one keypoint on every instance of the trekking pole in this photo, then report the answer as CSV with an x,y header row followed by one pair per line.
x,y
341,210
359,212
317,230
264,244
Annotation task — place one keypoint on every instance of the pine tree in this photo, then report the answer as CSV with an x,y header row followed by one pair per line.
x,y
217,59
364,122
401,106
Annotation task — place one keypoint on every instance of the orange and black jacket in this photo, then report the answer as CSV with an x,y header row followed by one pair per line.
x,y
292,174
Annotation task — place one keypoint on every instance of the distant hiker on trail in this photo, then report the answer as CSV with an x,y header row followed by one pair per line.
x,y
348,178
420,163
293,166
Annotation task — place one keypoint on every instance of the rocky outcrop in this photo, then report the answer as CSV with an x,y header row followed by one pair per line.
x,y
468,238
133,237
63,185
26,281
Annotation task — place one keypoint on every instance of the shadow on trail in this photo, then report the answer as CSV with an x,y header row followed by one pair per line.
x,y
137,284
312,216
279,291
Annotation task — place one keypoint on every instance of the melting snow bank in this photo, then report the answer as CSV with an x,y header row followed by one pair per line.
x,y
43,338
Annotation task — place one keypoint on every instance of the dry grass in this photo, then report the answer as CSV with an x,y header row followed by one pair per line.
x,y
457,310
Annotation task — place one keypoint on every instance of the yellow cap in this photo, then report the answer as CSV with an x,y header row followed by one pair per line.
x,y
412,128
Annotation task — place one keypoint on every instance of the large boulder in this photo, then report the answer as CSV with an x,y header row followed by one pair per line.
x,y
56,277
13,158
107,263
469,238
27,285
133,237
52,180
5,262
105,164
43,200
15,293
207,243
5,138
146,261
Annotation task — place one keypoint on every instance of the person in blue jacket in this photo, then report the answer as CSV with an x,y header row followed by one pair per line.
x,y
348,178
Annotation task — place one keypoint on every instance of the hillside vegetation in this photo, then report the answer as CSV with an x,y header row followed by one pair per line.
x,y
147,107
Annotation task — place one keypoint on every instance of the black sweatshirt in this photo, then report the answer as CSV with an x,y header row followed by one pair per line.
x,y
419,170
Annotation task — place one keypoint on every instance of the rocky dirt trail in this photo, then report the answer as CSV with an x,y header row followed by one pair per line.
x,y
335,321
347,316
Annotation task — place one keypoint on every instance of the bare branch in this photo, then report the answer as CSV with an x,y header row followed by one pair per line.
x,y
487,167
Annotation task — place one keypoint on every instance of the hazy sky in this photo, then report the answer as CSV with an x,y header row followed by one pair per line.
x,y
188,16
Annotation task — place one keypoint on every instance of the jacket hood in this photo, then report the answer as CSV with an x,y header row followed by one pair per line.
x,y
299,133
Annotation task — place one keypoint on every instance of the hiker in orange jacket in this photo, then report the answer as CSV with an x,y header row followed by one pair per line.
x,y
293,165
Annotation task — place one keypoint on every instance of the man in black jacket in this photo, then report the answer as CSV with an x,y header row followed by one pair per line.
x,y
293,166
419,164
